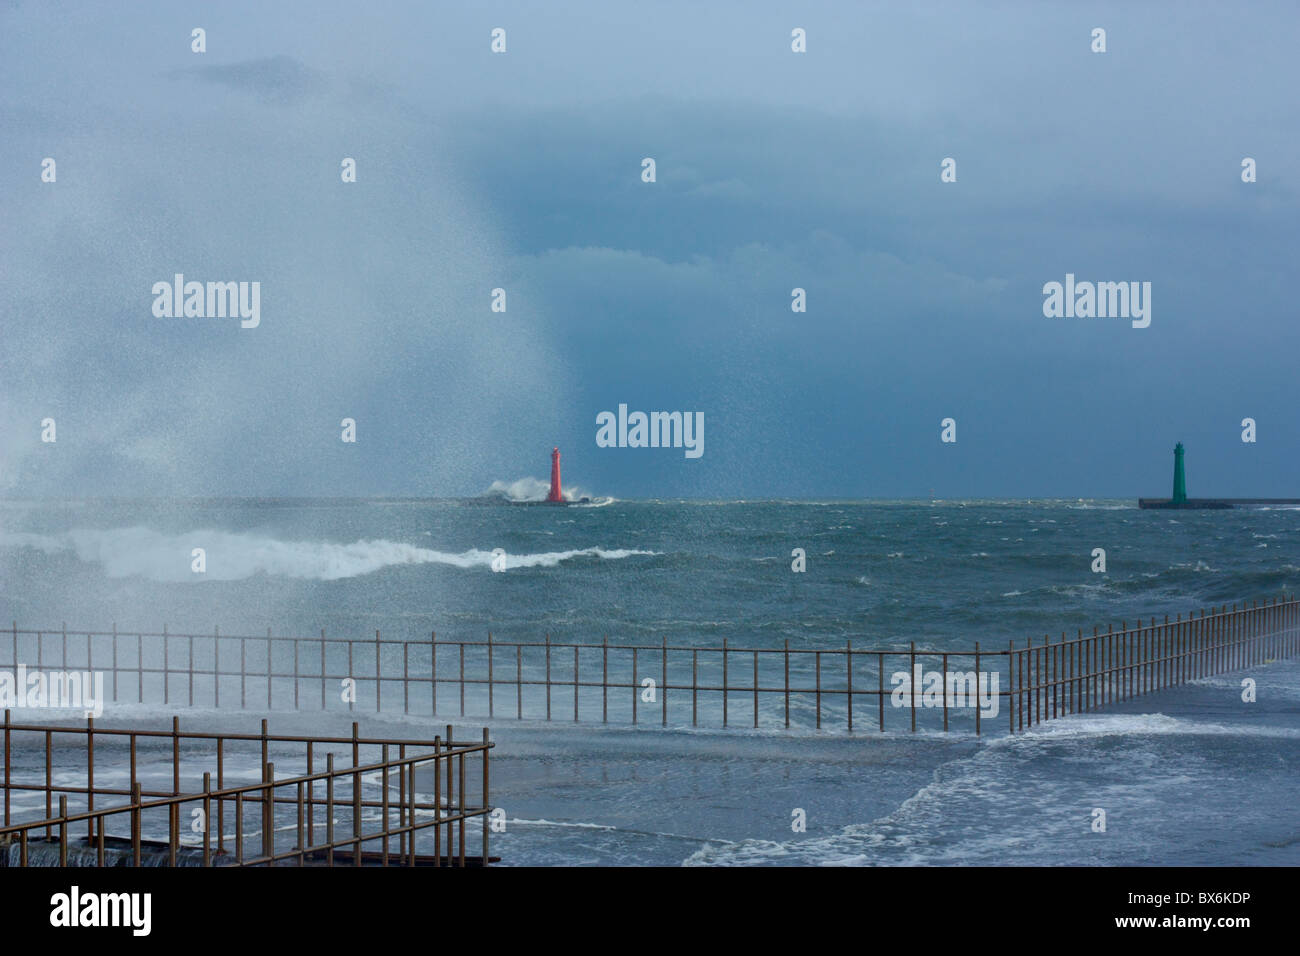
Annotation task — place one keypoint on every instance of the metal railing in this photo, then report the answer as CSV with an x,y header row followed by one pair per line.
x,y
1084,673
331,816
758,687
1028,684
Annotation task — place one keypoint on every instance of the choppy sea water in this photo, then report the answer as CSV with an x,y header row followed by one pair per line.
x,y
1190,775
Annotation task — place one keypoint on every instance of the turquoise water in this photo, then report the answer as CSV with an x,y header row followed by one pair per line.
x,y
879,573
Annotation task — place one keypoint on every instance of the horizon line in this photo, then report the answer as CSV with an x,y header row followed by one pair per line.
x,y
480,497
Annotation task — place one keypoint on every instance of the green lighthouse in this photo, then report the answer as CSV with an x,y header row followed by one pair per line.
x,y
1180,483
1180,499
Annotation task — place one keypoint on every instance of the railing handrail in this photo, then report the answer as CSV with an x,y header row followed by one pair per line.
x,y
215,735
1090,669
229,793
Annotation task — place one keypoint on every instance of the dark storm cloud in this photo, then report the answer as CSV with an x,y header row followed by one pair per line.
x,y
277,79
775,171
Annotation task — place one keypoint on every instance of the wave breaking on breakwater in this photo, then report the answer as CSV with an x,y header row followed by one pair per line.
x,y
529,490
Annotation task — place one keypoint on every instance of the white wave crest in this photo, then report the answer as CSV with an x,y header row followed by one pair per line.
x,y
143,552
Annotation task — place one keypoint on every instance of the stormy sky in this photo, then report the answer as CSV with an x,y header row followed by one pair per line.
x,y
522,170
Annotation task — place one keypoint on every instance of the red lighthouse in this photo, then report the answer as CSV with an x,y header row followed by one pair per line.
x,y
556,494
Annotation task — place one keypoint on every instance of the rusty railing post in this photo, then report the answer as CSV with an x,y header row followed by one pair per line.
x,y
787,683
268,831
663,707
487,803
1012,699
848,679
356,797
8,751
176,755
90,776
207,819
329,809
880,688
945,690
724,682
239,828
460,759
912,680
437,801
817,668
63,829
695,685
49,782
383,804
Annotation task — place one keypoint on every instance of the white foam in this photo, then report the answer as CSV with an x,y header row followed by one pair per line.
x,y
977,790
516,821
534,489
143,552
1125,725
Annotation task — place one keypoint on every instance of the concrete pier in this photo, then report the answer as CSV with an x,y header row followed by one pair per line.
x,y
1215,503
1180,499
